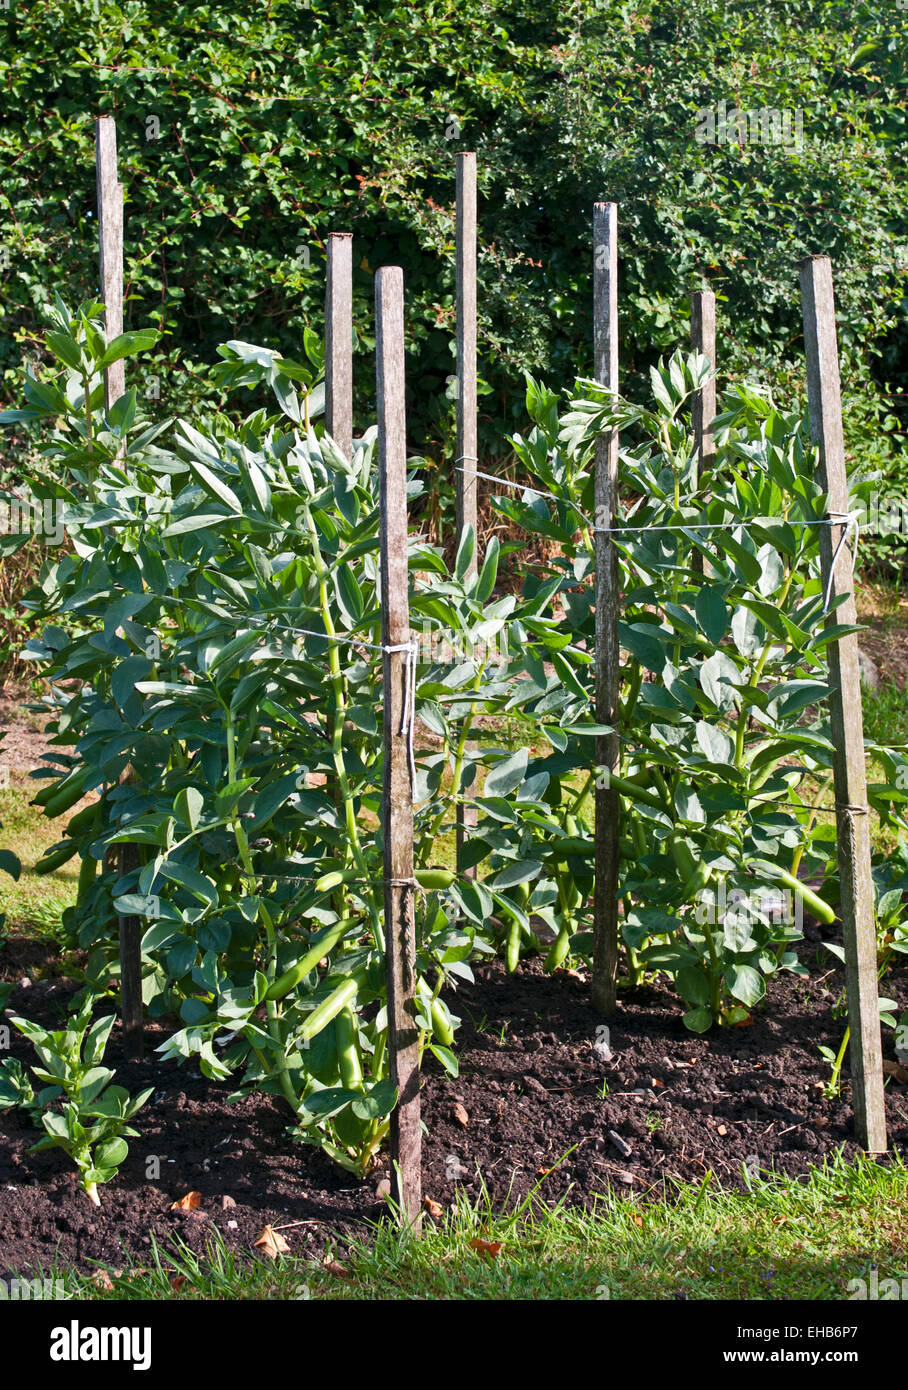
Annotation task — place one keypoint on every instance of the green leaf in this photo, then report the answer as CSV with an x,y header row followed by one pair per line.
x,y
698,1020
745,983
446,1057
197,884
521,871
717,677
489,572
378,1101
216,486
127,345
188,806
641,642
693,985
349,596
66,349
714,743
272,797
507,775
465,552
712,613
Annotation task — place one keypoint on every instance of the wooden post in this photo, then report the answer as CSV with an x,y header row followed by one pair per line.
x,y
608,810
852,817
110,236
131,931
467,436
339,342
467,431
397,792
110,242
703,411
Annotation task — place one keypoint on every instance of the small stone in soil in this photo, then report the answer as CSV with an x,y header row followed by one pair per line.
x,y
623,1148
227,1202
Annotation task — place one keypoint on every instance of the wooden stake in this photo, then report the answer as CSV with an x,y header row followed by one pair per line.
x,y
339,342
131,931
467,436
703,411
110,236
397,792
608,599
467,430
852,817
110,241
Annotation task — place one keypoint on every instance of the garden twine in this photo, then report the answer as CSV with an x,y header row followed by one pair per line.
x,y
848,520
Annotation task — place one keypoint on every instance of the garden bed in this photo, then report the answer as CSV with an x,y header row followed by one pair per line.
x,y
530,1089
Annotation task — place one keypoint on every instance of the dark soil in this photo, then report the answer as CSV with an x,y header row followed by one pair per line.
x,y
534,1105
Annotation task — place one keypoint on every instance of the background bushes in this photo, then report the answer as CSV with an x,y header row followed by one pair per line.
x,y
248,132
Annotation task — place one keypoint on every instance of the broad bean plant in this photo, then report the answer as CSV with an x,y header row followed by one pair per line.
x,y
211,647
724,732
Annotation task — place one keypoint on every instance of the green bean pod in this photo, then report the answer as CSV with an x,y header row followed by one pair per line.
x,y
325,942
329,1008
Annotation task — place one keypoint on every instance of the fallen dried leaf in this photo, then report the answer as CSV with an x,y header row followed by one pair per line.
x,y
190,1202
459,1114
898,1073
435,1210
102,1280
177,1281
492,1248
271,1242
337,1269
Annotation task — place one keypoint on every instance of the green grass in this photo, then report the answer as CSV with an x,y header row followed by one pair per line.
x,y
783,1239
34,904
886,714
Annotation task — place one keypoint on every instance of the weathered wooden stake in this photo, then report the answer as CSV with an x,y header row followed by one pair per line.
x,y
110,236
110,241
339,342
467,436
397,792
703,411
467,431
131,932
608,599
852,817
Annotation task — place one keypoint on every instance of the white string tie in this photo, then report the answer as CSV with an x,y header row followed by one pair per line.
x,y
411,648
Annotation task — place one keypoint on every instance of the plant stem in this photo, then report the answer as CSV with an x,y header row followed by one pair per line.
x,y
337,731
